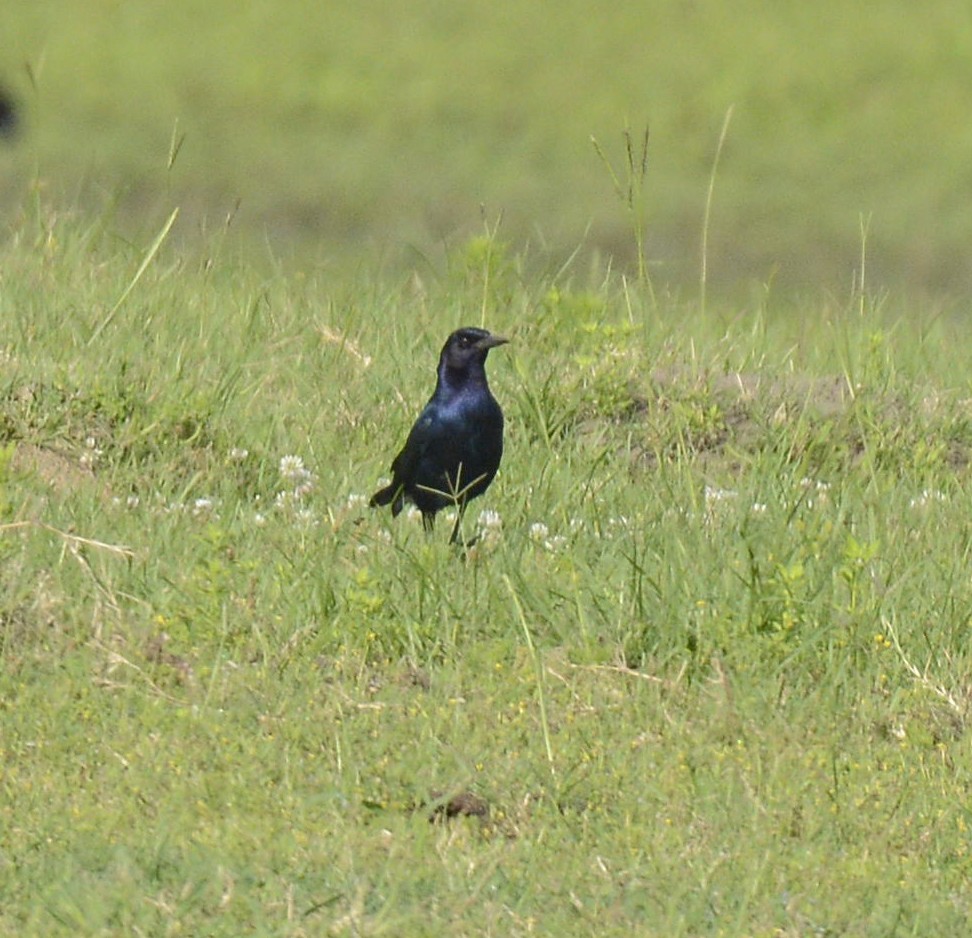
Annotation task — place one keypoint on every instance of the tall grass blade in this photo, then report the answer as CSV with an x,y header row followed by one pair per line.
x,y
152,251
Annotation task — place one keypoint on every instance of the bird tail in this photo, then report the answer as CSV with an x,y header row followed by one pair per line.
x,y
386,496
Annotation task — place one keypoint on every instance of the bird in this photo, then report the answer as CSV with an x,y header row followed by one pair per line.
x,y
454,449
8,115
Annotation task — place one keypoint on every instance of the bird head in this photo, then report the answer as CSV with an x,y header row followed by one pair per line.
x,y
468,346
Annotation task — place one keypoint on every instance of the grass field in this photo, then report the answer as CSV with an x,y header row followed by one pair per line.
x,y
705,672
379,129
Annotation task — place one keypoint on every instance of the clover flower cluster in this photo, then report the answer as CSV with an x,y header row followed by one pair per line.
x,y
298,483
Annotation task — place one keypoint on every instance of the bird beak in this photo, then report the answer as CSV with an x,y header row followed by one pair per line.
x,y
491,341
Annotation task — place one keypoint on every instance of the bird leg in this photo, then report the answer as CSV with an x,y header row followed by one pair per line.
x,y
457,495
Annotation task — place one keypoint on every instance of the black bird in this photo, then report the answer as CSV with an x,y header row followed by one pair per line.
x,y
8,116
455,447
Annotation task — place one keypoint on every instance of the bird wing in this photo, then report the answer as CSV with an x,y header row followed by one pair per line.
x,y
419,438
404,467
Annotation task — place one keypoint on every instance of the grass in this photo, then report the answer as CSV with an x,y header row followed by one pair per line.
x,y
707,668
329,133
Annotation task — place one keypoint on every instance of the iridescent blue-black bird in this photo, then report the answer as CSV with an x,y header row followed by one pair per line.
x,y
455,447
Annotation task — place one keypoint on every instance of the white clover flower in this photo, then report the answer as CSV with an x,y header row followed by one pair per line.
x,y
259,519
305,518
713,494
89,457
284,500
132,501
555,543
489,519
489,528
356,501
238,453
927,496
412,513
202,506
292,468
538,531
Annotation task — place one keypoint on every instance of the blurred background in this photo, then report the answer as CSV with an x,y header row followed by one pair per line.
x,y
383,133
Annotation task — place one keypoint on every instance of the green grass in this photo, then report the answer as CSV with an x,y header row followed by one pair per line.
x,y
385,127
707,666
722,690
